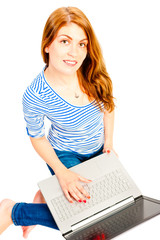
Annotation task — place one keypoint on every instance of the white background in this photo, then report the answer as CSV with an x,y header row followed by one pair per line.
x,y
128,32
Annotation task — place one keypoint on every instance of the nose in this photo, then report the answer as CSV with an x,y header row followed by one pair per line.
x,y
73,51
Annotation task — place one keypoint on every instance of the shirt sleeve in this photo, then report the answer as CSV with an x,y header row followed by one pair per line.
x,y
33,113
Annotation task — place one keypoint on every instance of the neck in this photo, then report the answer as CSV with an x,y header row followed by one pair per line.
x,y
60,78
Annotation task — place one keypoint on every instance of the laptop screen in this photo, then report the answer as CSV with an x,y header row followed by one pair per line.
x,y
143,209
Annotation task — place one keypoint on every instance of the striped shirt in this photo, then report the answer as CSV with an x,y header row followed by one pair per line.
x,y
73,128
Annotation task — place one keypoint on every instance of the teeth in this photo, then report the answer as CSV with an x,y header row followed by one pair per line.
x,y
70,62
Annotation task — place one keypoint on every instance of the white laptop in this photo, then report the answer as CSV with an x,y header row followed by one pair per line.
x,y
112,190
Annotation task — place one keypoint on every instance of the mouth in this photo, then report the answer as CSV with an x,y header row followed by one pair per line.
x,y
70,63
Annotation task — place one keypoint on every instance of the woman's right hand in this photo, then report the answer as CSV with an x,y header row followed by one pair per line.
x,y
70,184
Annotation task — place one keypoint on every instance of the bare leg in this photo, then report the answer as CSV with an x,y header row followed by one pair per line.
x,y
37,199
5,214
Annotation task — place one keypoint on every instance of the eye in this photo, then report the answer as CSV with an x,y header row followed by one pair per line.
x,y
65,41
83,45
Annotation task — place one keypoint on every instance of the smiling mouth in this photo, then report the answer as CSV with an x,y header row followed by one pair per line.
x,y
70,63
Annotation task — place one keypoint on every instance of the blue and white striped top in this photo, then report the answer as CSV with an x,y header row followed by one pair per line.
x,y
73,128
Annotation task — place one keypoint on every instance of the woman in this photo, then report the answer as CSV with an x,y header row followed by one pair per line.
x,y
74,91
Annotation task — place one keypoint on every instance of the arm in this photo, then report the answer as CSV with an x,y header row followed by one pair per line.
x,y
34,116
69,181
108,130
47,153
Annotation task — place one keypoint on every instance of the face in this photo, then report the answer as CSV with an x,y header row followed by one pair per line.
x,y
68,50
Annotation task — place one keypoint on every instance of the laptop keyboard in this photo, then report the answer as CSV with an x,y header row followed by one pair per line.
x,y
106,187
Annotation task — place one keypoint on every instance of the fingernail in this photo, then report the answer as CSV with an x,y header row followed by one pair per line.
x,y
84,201
108,151
79,200
88,197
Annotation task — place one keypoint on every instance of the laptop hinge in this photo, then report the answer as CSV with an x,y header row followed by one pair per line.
x,y
104,213
139,197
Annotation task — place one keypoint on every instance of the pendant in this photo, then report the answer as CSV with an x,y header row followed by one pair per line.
x,y
76,95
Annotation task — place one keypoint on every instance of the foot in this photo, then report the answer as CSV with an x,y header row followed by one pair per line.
x,y
37,199
5,214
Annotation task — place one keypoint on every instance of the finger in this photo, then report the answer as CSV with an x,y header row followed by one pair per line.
x,y
82,179
67,195
77,194
74,194
106,150
83,191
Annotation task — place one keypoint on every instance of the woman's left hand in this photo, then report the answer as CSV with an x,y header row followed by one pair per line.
x,y
108,149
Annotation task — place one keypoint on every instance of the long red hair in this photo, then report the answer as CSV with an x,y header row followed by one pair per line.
x,y
93,77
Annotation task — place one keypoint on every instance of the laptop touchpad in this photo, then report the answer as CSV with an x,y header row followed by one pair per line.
x,y
87,169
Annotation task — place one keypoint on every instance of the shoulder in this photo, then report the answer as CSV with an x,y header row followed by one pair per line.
x,y
34,91
37,86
